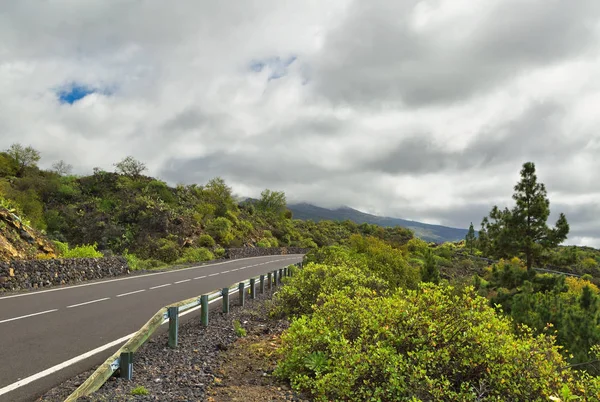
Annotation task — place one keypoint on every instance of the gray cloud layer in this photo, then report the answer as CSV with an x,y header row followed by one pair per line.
x,y
424,110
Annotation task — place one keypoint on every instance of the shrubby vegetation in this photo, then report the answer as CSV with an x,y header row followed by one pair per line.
x,y
356,336
377,314
125,212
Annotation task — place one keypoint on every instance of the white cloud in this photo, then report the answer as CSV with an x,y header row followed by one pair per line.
x,y
417,109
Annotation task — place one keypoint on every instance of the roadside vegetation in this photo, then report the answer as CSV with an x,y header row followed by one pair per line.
x,y
376,313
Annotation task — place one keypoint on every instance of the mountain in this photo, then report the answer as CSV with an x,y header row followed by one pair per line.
x,y
434,233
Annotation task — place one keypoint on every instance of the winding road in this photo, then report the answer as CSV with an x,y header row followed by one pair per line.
x,y
51,335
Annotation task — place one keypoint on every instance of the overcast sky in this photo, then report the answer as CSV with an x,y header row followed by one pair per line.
x,y
424,110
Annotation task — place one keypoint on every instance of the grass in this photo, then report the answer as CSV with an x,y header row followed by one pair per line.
x,y
141,390
239,330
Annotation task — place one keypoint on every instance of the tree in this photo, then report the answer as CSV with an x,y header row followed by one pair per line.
x,y
470,238
431,272
219,194
271,202
62,168
130,166
23,156
523,229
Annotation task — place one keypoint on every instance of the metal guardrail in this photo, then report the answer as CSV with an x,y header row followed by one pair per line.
x,y
122,359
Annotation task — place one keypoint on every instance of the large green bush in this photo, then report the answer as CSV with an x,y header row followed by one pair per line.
x,y
303,290
434,344
206,240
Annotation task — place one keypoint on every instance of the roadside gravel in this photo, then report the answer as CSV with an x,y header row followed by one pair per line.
x,y
193,371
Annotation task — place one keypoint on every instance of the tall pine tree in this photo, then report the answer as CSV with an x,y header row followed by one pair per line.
x,y
523,229
470,238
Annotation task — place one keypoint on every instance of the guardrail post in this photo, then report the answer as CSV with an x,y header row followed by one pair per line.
x,y
173,326
270,279
225,294
285,271
262,284
204,310
279,277
275,278
241,293
126,365
252,288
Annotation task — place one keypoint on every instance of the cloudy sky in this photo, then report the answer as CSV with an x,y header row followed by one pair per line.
x,y
420,109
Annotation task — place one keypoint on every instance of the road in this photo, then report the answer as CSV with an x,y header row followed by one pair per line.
x,y
45,329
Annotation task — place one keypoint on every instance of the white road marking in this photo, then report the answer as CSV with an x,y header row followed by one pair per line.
x,y
185,280
130,293
225,272
200,277
160,286
233,270
37,292
83,356
28,315
215,274
88,302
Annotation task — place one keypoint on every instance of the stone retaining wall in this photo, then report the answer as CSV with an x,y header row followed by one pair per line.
x,y
235,253
32,274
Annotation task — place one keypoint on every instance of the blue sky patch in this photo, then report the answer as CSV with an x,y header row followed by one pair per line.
x,y
277,65
74,93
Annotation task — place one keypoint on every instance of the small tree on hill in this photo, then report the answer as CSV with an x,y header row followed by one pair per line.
x,y
470,238
130,166
23,156
523,229
271,202
62,168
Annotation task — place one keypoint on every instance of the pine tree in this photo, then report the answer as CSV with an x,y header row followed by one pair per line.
x,y
523,229
431,272
470,238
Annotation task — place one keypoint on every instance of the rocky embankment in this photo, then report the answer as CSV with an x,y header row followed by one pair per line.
x,y
33,274
19,241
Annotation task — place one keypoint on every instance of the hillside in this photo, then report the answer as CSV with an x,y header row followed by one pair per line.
x,y
427,232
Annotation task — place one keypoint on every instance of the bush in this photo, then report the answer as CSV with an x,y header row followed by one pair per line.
x,y
430,344
84,251
219,252
264,243
206,240
220,229
196,255
304,290
167,250
141,390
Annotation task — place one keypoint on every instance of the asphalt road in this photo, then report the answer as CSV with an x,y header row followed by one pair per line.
x,y
40,330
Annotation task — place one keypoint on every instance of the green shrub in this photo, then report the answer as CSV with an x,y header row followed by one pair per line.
x,y
132,260
206,240
308,243
431,345
140,390
239,330
220,230
84,251
219,252
167,250
196,255
265,243
304,290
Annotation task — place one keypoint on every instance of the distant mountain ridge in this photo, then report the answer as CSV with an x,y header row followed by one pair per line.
x,y
425,231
